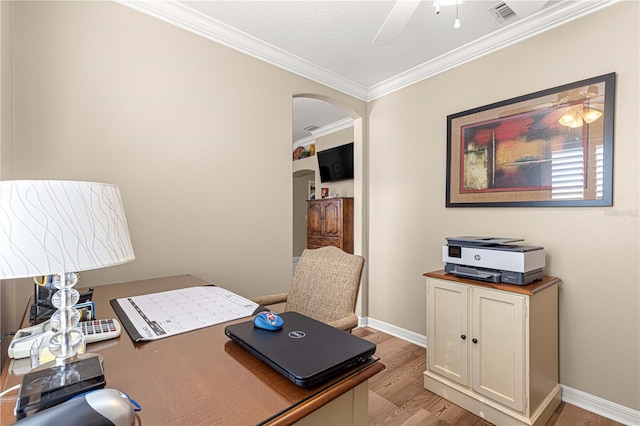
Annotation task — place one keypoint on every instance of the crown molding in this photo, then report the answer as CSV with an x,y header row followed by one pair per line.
x,y
212,29
333,127
304,141
521,30
323,131
188,19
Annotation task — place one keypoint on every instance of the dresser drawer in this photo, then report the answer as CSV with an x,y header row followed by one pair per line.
x,y
317,242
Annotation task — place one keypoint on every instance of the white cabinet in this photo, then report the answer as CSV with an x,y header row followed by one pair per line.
x,y
497,353
447,330
493,348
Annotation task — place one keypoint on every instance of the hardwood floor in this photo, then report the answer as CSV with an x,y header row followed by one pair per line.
x,y
397,395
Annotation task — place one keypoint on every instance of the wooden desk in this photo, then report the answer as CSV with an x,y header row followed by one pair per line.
x,y
201,377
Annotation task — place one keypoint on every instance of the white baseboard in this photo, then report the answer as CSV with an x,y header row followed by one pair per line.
x,y
602,407
401,333
597,405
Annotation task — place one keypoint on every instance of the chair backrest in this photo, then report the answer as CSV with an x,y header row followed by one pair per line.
x,y
325,284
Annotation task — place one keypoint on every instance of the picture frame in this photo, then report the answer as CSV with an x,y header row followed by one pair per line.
x,y
311,190
549,148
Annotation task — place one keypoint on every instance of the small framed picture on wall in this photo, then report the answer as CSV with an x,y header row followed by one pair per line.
x,y
312,190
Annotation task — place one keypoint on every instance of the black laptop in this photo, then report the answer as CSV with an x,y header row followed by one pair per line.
x,y
304,350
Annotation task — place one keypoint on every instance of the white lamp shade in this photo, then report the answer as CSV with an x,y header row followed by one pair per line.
x,y
50,227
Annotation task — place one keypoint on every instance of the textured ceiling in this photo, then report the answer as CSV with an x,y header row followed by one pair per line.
x,y
313,112
338,35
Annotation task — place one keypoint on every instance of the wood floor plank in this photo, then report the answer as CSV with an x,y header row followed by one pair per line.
x,y
569,415
383,412
424,418
397,396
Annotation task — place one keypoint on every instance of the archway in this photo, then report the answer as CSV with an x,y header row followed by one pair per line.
x,y
357,188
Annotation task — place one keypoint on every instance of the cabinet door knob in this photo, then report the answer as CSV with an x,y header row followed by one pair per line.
x,y
474,340
463,337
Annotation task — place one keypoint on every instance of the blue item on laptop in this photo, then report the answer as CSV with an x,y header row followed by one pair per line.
x,y
268,320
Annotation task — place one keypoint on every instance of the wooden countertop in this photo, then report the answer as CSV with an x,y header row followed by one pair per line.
x,y
198,377
529,289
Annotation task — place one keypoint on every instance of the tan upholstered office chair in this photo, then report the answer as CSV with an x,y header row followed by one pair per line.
x,y
325,287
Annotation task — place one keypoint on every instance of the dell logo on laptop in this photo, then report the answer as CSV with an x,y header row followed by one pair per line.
x,y
297,334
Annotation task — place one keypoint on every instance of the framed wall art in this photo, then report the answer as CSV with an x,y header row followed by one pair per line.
x,y
311,190
549,148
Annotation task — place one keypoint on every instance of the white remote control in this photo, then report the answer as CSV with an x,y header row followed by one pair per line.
x,y
97,330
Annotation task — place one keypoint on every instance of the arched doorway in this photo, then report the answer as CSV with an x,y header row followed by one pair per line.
x,y
348,127
317,125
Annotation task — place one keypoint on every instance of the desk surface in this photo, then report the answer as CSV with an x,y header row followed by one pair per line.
x,y
199,377
529,289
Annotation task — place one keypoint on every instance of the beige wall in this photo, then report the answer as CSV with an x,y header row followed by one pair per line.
x,y
198,137
6,91
594,250
105,93
8,313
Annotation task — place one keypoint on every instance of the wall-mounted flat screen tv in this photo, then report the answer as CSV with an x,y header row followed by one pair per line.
x,y
336,163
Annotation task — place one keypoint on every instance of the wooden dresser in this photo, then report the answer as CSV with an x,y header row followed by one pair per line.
x,y
330,223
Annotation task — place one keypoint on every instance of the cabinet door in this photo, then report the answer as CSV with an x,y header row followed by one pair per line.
x,y
448,320
314,218
332,218
498,346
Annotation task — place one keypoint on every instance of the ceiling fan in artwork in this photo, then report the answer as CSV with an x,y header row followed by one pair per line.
x,y
580,108
574,107
403,10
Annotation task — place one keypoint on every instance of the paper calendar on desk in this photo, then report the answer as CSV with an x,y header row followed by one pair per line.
x,y
158,315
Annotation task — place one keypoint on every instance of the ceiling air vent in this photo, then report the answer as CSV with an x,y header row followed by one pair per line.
x,y
501,12
311,128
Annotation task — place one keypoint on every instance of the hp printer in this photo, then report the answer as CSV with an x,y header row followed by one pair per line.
x,y
493,259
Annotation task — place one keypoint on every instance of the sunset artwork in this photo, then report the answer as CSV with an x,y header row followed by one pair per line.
x,y
549,148
514,153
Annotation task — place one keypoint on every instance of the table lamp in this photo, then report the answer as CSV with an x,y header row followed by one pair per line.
x,y
60,228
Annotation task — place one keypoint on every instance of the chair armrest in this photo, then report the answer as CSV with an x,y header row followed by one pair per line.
x,y
346,324
271,299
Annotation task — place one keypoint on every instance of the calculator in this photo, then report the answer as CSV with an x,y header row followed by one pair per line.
x,y
102,329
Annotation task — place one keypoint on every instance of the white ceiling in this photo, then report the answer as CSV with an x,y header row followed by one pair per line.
x,y
338,35
331,41
322,115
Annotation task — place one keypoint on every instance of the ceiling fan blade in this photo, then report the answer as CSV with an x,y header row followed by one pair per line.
x,y
395,22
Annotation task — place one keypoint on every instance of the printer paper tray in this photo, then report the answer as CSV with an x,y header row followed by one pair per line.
x,y
493,276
